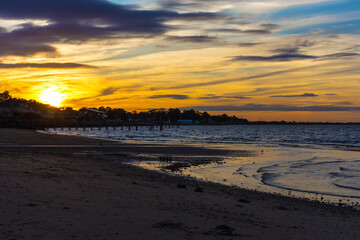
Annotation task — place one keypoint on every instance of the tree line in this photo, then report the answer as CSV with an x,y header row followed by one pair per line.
x,y
17,109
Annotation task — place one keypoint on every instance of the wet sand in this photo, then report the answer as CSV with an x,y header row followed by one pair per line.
x,y
60,187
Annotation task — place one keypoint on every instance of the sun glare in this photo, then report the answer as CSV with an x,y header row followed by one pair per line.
x,y
51,96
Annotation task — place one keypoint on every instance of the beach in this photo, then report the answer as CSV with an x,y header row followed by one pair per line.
x,y
62,187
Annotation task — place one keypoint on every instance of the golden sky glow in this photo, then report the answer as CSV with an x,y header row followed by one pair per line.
x,y
262,60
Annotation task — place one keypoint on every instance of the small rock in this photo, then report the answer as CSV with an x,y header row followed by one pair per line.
x,y
283,208
31,205
224,230
244,200
198,189
181,186
167,224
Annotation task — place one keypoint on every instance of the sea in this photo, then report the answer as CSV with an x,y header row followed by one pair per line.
x,y
315,162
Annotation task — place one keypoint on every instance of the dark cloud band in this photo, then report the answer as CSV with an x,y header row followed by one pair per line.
x,y
274,58
192,39
44,65
277,108
299,95
80,21
171,96
213,96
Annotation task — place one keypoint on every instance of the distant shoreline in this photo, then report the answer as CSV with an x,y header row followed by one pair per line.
x,y
30,114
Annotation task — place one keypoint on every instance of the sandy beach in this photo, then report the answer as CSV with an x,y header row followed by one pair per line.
x,y
61,187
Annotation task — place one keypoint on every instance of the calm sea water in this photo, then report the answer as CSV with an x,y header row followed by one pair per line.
x,y
315,161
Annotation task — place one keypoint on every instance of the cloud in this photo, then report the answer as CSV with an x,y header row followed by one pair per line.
x,y
78,22
213,96
274,58
269,26
226,30
299,95
240,7
340,55
287,53
256,31
304,43
44,65
286,50
172,96
235,30
108,91
161,46
104,92
192,39
221,81
293,52
200,16
276,107
93,11
185,5
247,44
14,44
344,103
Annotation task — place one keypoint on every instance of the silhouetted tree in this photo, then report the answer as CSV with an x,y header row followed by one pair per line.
x,y
174,114
5,96
17,110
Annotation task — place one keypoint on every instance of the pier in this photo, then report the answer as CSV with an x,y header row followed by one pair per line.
x,y
123,127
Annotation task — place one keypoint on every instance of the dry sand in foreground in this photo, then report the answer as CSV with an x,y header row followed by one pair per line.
x,y
59,192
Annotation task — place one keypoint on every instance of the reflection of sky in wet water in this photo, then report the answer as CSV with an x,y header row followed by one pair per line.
x,y
305,161
309,173
331,175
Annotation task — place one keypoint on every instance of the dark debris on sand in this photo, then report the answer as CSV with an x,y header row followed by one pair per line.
x,y
167,224
223,230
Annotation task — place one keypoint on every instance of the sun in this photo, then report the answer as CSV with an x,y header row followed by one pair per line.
x,y
51,96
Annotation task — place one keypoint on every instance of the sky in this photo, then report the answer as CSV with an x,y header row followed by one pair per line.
x,y
257,59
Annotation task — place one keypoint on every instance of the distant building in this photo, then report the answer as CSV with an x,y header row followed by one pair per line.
x,y
98,113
